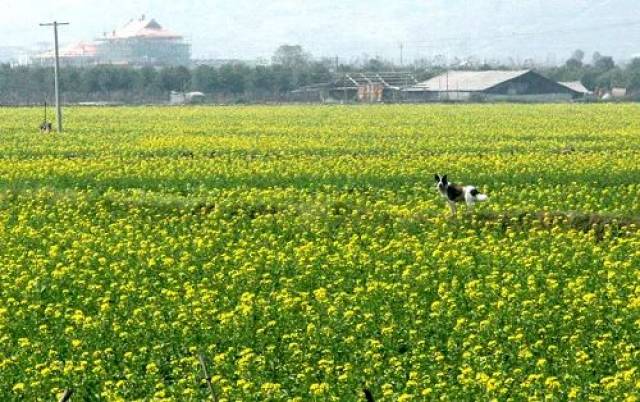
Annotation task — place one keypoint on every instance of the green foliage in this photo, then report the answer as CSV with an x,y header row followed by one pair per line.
x,y
292,57
175,79
33,84
305,253
206,79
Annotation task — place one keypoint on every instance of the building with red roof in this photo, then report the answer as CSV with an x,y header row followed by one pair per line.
x,y
140,42
143,42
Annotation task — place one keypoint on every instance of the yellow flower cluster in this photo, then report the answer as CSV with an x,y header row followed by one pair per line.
x,y
305,254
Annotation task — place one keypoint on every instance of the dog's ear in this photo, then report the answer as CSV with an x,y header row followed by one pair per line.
x,y
444,179
437,177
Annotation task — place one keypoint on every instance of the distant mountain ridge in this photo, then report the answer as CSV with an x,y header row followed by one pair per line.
x,y
536,28
248,29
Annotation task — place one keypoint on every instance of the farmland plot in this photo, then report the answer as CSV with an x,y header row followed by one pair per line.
x,y
304,254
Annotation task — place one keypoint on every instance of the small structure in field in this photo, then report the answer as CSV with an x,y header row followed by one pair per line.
x,y
364,87
45,127
614,94
492,85
186,98
618,92
372,87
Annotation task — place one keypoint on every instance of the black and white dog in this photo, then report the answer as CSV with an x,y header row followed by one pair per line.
x,y
457,193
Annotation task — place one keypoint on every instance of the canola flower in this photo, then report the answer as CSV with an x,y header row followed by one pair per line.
x,y
304,252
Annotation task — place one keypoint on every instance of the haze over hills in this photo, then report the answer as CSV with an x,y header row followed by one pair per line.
x,y
544,30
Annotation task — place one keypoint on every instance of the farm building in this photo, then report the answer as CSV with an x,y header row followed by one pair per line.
x,y
365,87
493,85
615,93
143,42
578,87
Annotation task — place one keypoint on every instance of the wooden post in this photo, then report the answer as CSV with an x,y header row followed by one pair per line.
x,y
66,396
207,377
56,69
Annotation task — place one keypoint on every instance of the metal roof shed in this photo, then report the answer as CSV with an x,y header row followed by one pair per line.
x,y
518,85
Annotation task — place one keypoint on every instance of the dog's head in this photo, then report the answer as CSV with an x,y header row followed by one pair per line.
x,y
441,182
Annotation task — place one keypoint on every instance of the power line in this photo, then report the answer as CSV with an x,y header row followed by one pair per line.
x,y
56,70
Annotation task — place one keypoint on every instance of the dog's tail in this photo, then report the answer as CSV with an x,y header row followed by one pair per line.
x,y
472,195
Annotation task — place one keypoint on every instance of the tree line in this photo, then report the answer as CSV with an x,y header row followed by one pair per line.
x,y
33,85
291,68
600,73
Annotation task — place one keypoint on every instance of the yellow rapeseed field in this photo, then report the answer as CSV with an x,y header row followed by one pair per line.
x,y
304,253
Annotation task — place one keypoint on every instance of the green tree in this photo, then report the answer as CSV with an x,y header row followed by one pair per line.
x,y
263,79
175,78
291,56
578,55
233,78
375,65
205,79
148,81
633,74
605,63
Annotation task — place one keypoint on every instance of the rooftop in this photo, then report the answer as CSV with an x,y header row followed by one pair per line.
x,y
387,79
468,80
141,28
576,86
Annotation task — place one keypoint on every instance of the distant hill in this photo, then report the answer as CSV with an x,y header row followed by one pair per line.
x,y
544,29
609,26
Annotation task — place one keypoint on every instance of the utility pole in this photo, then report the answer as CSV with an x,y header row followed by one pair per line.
x,y
56,70
401,54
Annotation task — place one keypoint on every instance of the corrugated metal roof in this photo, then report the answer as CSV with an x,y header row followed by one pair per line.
x,y
576,86
387,79
468,81
142,28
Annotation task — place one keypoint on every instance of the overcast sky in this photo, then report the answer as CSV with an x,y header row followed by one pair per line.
x,y
247,29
